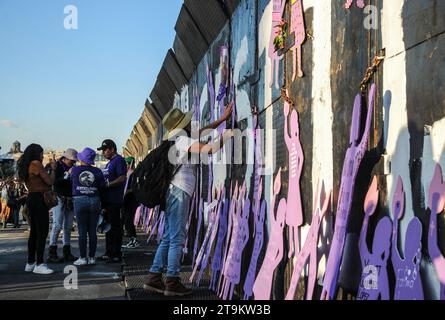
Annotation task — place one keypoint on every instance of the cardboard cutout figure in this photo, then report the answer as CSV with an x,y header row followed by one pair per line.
x,y
407,270
436,203
274,252
294,215
374,282
309,250
353,158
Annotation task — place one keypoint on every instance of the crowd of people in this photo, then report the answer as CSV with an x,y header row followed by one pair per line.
x,y
72,188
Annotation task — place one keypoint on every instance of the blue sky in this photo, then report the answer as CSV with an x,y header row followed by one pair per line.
x,y
73,88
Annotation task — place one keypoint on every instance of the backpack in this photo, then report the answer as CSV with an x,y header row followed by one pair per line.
x,y
152,177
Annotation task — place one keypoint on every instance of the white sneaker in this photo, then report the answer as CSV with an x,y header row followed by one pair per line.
x,y
91,261
30,267
42,269
81,262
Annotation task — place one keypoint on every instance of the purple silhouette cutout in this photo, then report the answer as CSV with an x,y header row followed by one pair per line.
x,y
240,236
360,4
353,158
277,14
219,248
274,252
309,249
196,105
187,226
294,215
205,260
155,226
231,213
374,281
258,208
407,270
161,227
436,203
224,70
207,242
198,229
298,29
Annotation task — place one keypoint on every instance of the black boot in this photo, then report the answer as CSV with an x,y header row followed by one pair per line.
x,y
67,256
53,258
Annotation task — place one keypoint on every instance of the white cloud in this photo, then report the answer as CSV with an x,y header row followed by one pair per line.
x,y
8,123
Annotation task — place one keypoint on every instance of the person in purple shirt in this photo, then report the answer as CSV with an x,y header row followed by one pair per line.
x,y
87,183
115,174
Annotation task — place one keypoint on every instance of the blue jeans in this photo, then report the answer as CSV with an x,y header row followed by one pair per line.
x,y
87,211
62,219
170,249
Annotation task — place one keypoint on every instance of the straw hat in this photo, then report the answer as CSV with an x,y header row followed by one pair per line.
x,y
175,121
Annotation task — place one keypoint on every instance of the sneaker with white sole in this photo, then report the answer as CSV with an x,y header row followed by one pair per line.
x,y
30,267
81,262
42,269
91,261
133,244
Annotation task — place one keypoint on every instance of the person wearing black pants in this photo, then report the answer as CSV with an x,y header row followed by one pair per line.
x,y
38,214
38,181
115,174
129,207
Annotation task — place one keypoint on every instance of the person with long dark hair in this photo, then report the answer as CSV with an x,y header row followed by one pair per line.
x,y
37,181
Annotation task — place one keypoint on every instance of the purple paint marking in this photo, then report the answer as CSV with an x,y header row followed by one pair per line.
x,y
353,158
297,27
274,252
436,203
407,270
309,250
374,282
277,14
294,216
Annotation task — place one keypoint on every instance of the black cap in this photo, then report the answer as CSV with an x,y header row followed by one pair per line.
x,y
107,144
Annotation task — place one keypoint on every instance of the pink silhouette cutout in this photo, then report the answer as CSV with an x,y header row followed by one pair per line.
x,y
217,259
240,236
274,252
294,215
374,281
297,27
353,158
277,14
407,270
309,249
436,203
360,4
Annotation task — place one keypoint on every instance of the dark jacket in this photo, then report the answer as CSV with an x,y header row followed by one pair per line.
x,y
62,185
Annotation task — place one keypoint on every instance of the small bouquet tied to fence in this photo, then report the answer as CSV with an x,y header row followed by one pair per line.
x,y
281,35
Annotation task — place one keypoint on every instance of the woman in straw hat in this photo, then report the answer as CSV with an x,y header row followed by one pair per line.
x,y
178,199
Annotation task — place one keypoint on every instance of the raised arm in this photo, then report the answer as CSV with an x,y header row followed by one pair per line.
x,y
216,123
